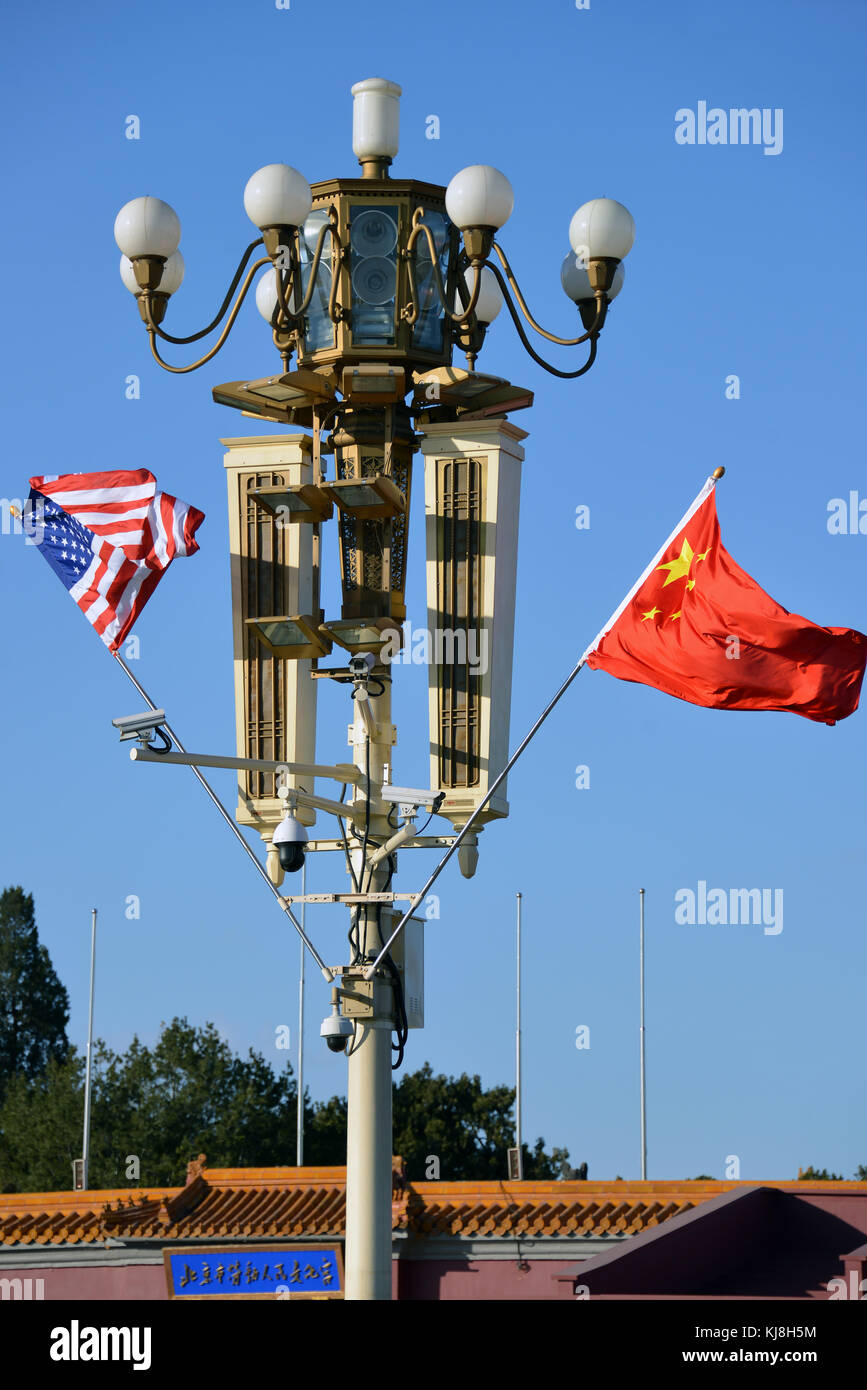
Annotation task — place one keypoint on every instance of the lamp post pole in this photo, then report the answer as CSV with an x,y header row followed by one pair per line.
x,y
369,1121
371,284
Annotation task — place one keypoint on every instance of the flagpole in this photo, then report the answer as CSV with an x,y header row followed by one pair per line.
x,y
85,1147
329,974
642,1033
518,1143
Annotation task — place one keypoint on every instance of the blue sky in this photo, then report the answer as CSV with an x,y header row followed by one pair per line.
x,y
744,263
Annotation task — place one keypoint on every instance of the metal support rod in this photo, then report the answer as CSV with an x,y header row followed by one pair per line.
x,y
88,1075
321,803
299,1125
518,1130
642,1035
328,974
335,771
419,897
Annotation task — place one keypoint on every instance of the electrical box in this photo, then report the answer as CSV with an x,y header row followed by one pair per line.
x,y
408,955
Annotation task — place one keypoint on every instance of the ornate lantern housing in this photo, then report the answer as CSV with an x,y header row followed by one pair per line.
x,y
370,283
363,282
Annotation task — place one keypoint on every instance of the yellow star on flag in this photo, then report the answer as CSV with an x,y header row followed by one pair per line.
x,y
678,568
652,614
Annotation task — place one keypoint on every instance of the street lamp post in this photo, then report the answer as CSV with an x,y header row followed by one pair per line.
x,y
371,284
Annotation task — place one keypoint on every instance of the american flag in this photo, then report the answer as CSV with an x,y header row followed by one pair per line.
x,y
110,537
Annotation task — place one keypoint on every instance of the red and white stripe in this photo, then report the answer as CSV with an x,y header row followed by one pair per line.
x,y
138,532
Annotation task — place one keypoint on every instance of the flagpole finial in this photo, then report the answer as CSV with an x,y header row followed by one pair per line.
x,y
717,474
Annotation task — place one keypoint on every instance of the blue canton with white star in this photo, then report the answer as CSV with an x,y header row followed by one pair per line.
x,y
66,544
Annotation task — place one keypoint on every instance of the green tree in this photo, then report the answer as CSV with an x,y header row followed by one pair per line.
x,y
819,1175
41,1127
163,1105
453,1119
190,1094
325,1133
34,1006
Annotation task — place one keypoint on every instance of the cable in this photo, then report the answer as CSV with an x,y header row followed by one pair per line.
x,y
402,1026
349,863
366,817
352,936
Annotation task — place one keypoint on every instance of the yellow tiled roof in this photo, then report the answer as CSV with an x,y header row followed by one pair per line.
x,y
275,1203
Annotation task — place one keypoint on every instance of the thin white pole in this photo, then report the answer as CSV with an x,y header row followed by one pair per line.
x,y
642,1032
518,1130
88,1070
299,1132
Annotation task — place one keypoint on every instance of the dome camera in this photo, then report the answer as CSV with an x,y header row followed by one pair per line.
x,y
336,1031
290,842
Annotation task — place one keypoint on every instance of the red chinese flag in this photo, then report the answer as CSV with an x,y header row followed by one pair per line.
x,y
698,627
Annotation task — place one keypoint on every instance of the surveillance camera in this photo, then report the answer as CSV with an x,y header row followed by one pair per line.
x,y
468,856
362,664
140,726
290,840
413,796
336,1031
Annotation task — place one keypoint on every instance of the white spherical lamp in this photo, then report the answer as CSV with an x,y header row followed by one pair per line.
x,y
277,196
170,280
147,227
576,281
601,229
490,300
127,275
266,295
479,196
173,274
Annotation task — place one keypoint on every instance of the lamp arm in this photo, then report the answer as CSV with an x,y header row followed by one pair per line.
x,y
555,371
152,330
595,327
194,337
286,316
411,311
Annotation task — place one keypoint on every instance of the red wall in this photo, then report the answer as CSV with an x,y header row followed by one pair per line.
x,y
109,1282
412,1280
486,1279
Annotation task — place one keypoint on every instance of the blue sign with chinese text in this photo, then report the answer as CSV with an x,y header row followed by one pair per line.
x,y
279,1272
